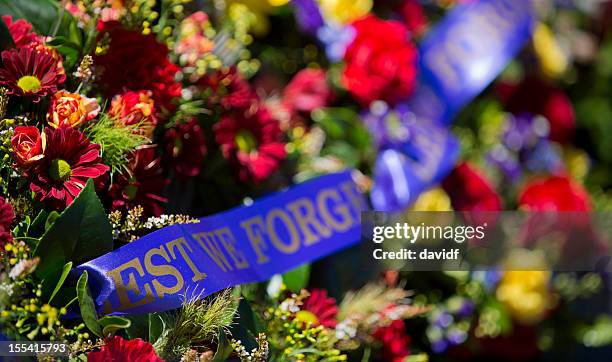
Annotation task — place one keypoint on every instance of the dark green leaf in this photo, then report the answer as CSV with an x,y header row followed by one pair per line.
x,y
224,348
87,306
81,233
111,324
297,279
6,40
54,215
156,326
61,280
37,228
248,318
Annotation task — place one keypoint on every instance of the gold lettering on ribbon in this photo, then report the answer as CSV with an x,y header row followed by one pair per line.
x,y
304,213
345,221
229,244
208,242
122,289
254,228
180,244
162,270
294,242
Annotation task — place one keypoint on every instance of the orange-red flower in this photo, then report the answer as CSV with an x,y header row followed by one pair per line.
x,y
21,31
556,193
135,107
28,145
71,109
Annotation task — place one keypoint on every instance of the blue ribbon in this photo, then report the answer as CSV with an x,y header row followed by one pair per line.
x,y
243,245
458,60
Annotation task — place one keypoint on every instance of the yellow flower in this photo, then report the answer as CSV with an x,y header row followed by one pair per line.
x,y
577,162
344,11
525,293
433,200
71,109
553,60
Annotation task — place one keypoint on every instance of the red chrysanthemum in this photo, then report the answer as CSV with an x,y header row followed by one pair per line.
x,y
556,193
319,309
21,31
253,141
143,185
135,61
31,73
69,161
380,62
118,349
6,219
395,341
185,148
469,190
537,96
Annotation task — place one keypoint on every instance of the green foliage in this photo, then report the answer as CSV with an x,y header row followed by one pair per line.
x,y
61,280
297,279
79,234
6,41
199,321
88,308
115,142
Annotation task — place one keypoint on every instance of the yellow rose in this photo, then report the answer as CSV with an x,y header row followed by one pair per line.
x,y
71,109
344,11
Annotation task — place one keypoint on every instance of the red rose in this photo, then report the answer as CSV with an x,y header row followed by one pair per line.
x,y
117,349
308,90
28,145
380,62
537,96
413,15
469,190
556,193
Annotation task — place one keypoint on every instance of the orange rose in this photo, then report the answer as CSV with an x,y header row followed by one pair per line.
x,y
71,109
132,108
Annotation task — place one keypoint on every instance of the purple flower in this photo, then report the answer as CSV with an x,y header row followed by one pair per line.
x,y
307,15
336,39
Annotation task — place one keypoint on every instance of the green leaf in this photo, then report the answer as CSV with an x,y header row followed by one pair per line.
x,y
45,15
224,348
61,280
111,324
81,233
6,40
54,215
156,326
37,228
297,279
88,308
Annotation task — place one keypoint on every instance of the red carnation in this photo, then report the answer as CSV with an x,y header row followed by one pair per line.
x,y
251,140
29,72
380,62
537,96
395,341
319,309
6,219
117,349
69,161
27,144
135,61
143,185
185,148
21,31
556,193
308,90
469,190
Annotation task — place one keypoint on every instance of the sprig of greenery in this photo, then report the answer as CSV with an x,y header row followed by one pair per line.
x,y
197,323
115,142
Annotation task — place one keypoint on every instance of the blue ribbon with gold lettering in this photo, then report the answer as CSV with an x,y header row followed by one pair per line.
x,y
458,59
243,245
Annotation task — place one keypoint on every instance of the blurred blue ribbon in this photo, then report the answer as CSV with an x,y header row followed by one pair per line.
x,y
458,60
